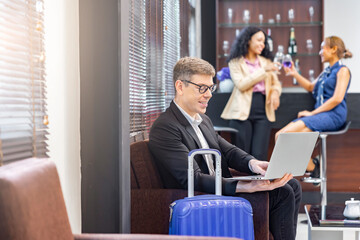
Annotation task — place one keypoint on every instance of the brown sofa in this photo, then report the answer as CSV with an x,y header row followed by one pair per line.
x,y
32,206
150,201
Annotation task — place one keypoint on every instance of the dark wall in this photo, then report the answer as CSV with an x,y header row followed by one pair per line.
x,y
99,123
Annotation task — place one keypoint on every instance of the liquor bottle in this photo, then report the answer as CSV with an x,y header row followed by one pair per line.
x,y
269,40
297,67
292,49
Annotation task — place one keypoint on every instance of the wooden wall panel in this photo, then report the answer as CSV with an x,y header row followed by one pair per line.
x,y
343,168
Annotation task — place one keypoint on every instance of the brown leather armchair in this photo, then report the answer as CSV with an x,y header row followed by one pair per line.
x,y
32,206
150,200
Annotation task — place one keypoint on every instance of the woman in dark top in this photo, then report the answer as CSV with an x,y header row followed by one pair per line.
x,y
329,91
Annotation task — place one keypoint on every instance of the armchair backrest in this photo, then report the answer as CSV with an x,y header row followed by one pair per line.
x,y
144,172
31,202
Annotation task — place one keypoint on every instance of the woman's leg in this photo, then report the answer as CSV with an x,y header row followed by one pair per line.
x,y
260,139
261,127
244,134
298,126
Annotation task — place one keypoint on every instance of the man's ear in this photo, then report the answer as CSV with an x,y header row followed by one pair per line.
x,y
179,87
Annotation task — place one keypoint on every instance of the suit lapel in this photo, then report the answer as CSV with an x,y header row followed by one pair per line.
x,y
183,121
213,143
207,134
191,131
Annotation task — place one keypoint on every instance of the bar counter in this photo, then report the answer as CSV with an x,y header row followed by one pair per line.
x,y
292,101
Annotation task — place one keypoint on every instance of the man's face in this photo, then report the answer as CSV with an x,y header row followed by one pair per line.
x,y
189,98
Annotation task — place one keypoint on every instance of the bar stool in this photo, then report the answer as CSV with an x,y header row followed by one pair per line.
x,y
231,131
323,179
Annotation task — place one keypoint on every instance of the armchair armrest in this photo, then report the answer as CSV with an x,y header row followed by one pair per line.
x,y
143,237
92,236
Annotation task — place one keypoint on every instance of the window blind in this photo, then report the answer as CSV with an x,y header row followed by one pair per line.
x,y
171,46
154,48
23,119
137,66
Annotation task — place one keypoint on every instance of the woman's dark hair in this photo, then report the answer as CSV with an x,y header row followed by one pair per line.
x,y
240,46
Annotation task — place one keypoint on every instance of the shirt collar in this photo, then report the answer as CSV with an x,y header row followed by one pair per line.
x,y
253,64
338,63
193,121
329,69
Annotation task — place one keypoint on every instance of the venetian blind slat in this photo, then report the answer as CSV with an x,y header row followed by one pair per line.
x,y
22,80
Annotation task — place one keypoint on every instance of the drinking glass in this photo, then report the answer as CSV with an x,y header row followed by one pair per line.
x,y
246,16
225,47
278,18
291,15
230,15
309,45
287,61
261,18
271,21
279,57
311,13
237,32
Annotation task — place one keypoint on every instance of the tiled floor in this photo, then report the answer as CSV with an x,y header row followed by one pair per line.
x,y
302,229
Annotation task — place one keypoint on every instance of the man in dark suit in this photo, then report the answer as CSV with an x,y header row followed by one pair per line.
x,y
184,127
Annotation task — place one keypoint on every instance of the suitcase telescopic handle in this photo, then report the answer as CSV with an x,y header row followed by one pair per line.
x,y
191,169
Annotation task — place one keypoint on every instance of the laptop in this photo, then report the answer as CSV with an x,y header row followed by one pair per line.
x,y
291,154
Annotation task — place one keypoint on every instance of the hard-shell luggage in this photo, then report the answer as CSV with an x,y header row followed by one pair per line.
x,y
211,215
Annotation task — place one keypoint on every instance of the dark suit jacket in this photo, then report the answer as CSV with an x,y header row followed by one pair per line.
x,y
172,137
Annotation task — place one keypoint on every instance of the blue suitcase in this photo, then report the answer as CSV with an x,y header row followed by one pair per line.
x,y
211,215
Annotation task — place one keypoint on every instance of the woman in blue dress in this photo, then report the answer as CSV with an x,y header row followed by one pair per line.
x,y
329,91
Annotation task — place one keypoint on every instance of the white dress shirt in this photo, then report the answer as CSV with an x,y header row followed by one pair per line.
x,y
195,122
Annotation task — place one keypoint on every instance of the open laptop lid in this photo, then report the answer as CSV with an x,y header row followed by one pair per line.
x,y
291,154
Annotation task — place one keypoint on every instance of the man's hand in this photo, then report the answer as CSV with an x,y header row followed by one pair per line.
x,y
259,167
262,185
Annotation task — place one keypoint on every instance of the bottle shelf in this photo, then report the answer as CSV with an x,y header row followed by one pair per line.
x,y
307,26
281,24
293,56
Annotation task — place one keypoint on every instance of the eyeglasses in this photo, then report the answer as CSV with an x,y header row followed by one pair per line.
x,y
202,88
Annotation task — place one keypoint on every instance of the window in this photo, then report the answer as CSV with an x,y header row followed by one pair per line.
x,y
154,48
23,119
